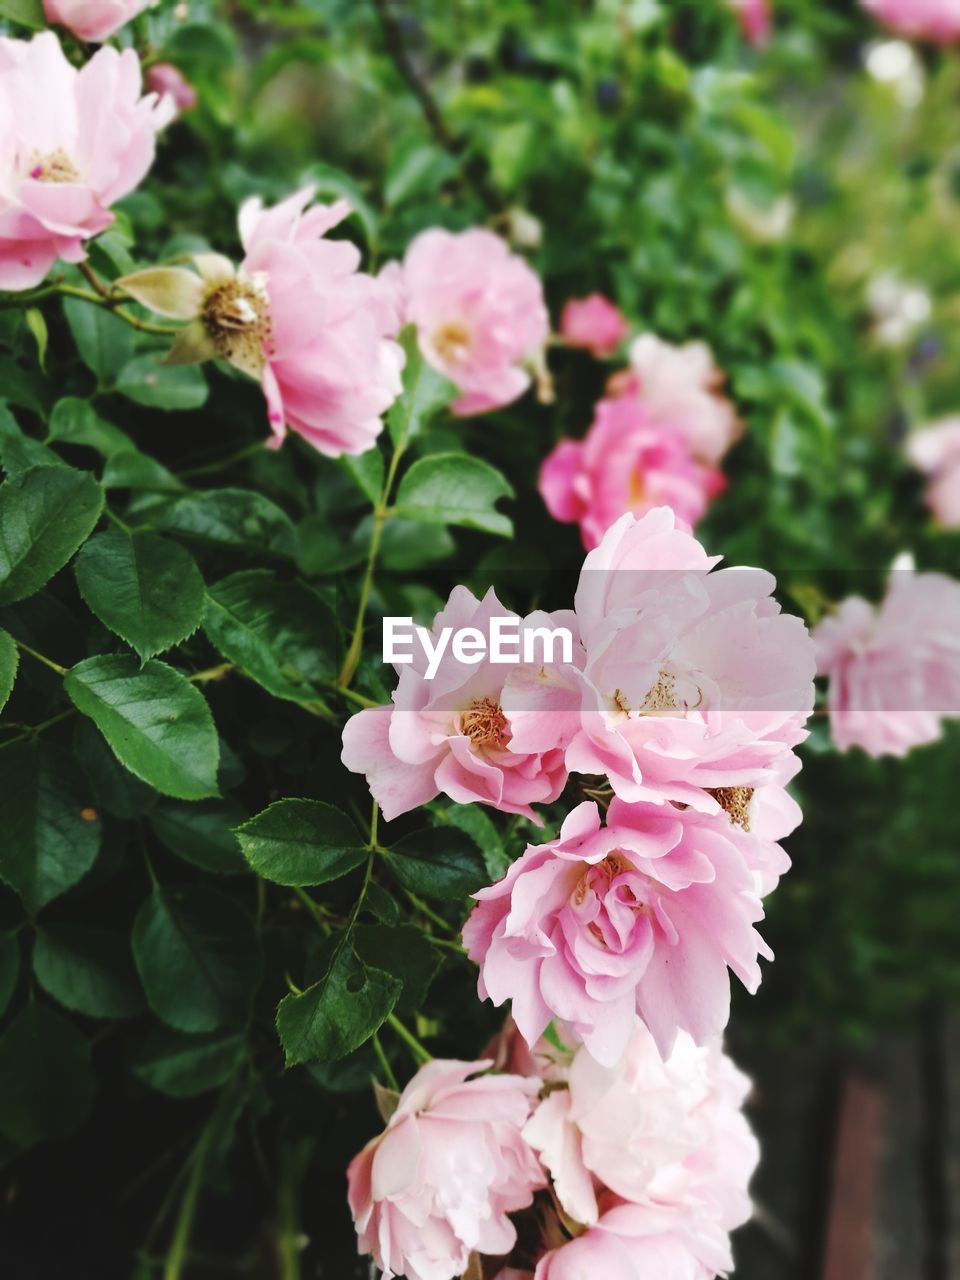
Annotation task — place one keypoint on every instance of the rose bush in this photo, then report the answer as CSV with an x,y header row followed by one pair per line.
x,y
302,308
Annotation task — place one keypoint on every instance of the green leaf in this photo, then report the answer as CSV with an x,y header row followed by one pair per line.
x,y
277,632
46,1080
28,13
367,470
404,952
438,863
146,589
9,968
51,834
87,970
156,721
130,469
232,518
38,327
9,661
75,421
198,957
162,386
453,488
337,1014
202,834
472,819
183,1066
45,514
115,789
20,452
425,393
301,842
104,342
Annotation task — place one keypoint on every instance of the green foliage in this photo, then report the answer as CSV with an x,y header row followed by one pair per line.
x,y
301,842
453,488
45,514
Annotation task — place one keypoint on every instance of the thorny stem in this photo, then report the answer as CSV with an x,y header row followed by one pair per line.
x,y
97,298
177,1253
36,729
47,662
385,1066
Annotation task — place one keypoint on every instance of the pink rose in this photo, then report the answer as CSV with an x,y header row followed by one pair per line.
x,y
894,669
93,20
755,19
487,732
936,452
640,1242
479,313
936,20
441,1179
165,78
680,388
72,142
693,680
653,1131
641,916
593,323
627,462
317,326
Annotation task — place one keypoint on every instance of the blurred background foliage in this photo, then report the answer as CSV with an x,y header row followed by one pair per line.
x,y
795,207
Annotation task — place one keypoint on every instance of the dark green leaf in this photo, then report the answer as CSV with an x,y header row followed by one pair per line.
x,y
156,721
46,1081
453,488
87,970
104,342
438,863
162,386
75,421
232,518
198,957
129,469
184,1066
9,661
9,968
425,393
115,789
20,452
146,589
367,471
301,842
51,833
407,954
338,1013
476,822
278,632
45,514
202,833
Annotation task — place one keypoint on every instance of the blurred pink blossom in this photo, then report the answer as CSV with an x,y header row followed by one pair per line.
x,y
693,679
479,312
627,462
935,451
450,1166
72,142
936,20
893,668
93,20
655,1131
681,389
593,323
755,19
165,78
311,326
642,916
488,733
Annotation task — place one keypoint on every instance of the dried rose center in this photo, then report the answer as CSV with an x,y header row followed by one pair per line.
x,y
735,801
661,696
56,166
484,723
236,315
452,341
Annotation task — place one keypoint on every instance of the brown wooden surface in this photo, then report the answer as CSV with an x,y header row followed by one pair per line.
x,y
851,1247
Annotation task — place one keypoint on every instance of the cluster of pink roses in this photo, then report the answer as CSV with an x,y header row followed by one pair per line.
x,y
637,1170
682,701
655,439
